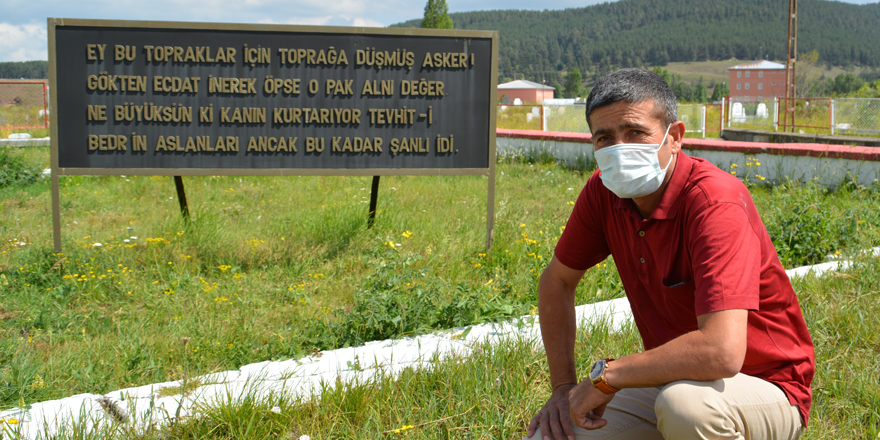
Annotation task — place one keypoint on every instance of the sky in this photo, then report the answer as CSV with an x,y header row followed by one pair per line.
x,y
23,22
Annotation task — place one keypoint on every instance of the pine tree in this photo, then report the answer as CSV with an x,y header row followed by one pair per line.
x,y
700,93
721,90
573,83
436,15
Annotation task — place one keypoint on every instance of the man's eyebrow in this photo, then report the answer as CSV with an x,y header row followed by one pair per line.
x,y
623,125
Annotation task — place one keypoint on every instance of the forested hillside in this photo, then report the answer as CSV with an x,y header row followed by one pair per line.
x,y
544,45
24,69
630,33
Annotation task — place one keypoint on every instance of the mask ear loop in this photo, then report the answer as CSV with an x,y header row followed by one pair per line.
x,y
661,146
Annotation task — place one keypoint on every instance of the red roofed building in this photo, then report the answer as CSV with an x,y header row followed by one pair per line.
x,y
757,81
526,91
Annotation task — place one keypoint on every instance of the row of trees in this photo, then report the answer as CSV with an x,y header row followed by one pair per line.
x,y
812,82
637,33
24,70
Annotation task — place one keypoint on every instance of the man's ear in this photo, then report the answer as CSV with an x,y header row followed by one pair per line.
x,y
677,132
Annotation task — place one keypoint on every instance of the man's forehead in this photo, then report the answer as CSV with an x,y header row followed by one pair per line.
x,y
622,114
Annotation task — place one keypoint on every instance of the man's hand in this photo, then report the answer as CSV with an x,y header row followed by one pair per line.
x,y
554,417
587,405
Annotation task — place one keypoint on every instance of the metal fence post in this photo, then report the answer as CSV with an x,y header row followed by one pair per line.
x,y
729,111
775,113
832,117
704,121
721,125
543,118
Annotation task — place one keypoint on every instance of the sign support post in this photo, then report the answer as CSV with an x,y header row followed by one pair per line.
x,y
56,213
374,198
181,197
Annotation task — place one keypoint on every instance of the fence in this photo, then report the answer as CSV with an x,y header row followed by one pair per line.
x,y
843,116
758,115
855,116
572,118
519,117
23,105
813,114
694,118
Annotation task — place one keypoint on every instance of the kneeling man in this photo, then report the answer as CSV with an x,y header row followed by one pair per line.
x,y
727,352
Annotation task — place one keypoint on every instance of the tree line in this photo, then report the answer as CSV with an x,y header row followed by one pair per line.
x,y
24,70
543,46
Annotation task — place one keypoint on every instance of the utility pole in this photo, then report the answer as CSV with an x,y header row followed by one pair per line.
x,y
791,59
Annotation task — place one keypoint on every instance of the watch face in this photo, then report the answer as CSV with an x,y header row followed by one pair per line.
x,y
596,371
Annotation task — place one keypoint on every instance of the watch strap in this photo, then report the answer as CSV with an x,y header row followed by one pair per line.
x,y
602,384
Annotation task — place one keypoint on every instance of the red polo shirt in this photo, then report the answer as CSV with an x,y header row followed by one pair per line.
x,y
703,249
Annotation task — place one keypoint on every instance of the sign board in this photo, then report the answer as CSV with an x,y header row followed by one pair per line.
x,y
171,98
183,98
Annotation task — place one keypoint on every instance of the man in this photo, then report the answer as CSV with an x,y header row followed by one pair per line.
x,y
727,352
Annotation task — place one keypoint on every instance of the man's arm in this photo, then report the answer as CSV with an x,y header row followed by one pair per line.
x,y
556,290
715,350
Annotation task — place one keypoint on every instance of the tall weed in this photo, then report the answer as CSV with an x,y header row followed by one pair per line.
x,y
15,170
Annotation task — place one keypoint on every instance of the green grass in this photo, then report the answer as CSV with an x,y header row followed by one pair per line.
x,y
275,268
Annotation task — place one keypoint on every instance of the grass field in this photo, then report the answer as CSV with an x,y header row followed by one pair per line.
x,y
275,268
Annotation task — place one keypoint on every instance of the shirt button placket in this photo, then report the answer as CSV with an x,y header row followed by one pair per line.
x,y
642,259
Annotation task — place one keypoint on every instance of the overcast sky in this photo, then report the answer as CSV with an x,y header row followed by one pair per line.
x,y
23,22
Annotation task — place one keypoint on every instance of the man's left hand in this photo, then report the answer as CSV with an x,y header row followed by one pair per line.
x,y
587,405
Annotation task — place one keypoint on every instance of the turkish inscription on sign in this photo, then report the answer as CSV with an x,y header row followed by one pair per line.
x,y
196,98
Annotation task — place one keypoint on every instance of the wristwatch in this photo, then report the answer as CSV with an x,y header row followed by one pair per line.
x,y
597,376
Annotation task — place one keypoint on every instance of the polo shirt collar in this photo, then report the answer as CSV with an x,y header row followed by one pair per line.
x,y
670,202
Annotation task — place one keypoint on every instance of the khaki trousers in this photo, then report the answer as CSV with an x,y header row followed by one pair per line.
x,y
741,407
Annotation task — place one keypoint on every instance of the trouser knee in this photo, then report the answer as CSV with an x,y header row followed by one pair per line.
x,y
687,410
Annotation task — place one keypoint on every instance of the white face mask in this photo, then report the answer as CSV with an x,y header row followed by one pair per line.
x,y
632,170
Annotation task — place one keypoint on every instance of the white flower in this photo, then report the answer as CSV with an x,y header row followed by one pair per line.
x,y
276,409
304,437
97,245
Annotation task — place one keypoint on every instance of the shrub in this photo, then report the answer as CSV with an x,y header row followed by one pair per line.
x,y
14,170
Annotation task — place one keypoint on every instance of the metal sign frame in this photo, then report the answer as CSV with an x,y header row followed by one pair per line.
x,y
490,94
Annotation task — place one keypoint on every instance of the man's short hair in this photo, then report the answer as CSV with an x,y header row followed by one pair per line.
x,y
634,85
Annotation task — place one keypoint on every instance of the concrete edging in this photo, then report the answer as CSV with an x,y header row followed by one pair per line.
x,y
33,142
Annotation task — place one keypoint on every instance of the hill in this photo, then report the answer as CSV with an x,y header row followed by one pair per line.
x,y
632,33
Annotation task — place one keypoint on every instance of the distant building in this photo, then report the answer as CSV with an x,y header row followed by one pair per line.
x,y
757,81
526,91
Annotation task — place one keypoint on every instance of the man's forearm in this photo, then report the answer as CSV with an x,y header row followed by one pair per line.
x,y
715,351
558,324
